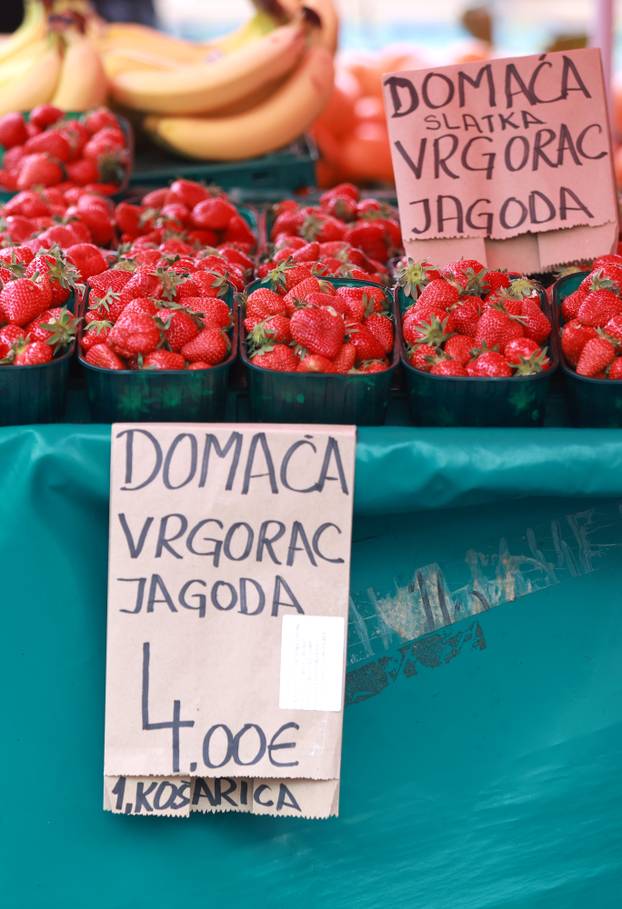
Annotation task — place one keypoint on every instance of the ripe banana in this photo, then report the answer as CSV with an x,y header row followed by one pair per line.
x,y
202,87
33,27
36,86
261,23
122,59
21,61
148,40
268,126
327,32
82,83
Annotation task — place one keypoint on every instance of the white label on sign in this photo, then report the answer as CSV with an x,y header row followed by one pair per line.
x,y
312,653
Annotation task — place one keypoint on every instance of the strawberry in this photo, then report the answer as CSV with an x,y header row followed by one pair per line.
x,y
82,172
56,327
367,346
464,315
95,333
596,356
287,222
321,227
238,231
21,301
598,307
297,296
12,130
188,192
520,349
615,370
613,328
348,190
179,327
571,304
52,144
534,322
143,283
134,333
309,252
9,336
424,330
382,328
98,119
278,357
493,280
53,267
33,353
104,357
490,364
202,284
87,259
495,328
319,331
214,213
463,268
448,368
413,276
38,170
264,302
316,363
345,359
163,359
369,366
198,364
113,279
213,311
45,115
439,292
575,336
373,298
211,345
287,275
94,213
423,356
460,348
273,330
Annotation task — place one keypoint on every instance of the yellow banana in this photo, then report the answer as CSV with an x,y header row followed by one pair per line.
x,y
261,23
277,121
21,61
123,58
150,41
36,86
202,87
82,83
33,27
327,31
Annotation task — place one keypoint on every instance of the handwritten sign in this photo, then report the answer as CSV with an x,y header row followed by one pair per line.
x,y
228,597
507,160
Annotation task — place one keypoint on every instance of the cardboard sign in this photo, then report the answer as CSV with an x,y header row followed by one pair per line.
x,y
228,598
507,161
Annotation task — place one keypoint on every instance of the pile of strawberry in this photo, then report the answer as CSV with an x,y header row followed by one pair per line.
x,y
49,149
195,214
341,217
332,259
297,322
36,323
167,313
468,320
591,333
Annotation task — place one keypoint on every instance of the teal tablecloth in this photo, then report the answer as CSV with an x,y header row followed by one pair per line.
x,y
483,731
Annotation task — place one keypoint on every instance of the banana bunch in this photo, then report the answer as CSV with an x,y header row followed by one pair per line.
x,y
49,59
243,95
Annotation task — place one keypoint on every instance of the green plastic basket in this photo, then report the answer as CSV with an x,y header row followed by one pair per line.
x,y
295,397
160,395
593,402
6,194
290,169
477,401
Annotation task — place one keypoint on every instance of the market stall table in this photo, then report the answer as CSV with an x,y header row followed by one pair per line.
x,y
483,730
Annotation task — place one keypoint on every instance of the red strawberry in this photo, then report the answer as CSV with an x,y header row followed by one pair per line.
x,y
309,252
179,327
491,364
198,364
211,345
56,327
113,279
535,324
372,298
463,268
439,292
82,172
54,269
279,357
613,328
423,356
492,281
460,348
143,283
615,370
575,336
297,296
316,363
188,192
598,307
367,346
21,301
163,359
520,349
134,333
495,328
95,333
104,357
45,115
214,312
287,275
38,170
264,302
424,330
94,213
571,304
238,231
50,143
202,284
345,359
273,330
12,130
596,355
9,336
448,368
372,238
369,366
382,328
33,353
321,227
319,331
87,259
464,315
213,214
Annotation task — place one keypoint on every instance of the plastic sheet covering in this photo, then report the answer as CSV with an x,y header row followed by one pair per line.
x,y
483,728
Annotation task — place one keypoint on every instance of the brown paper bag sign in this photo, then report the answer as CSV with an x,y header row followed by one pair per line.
x,y
228,597
507,161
